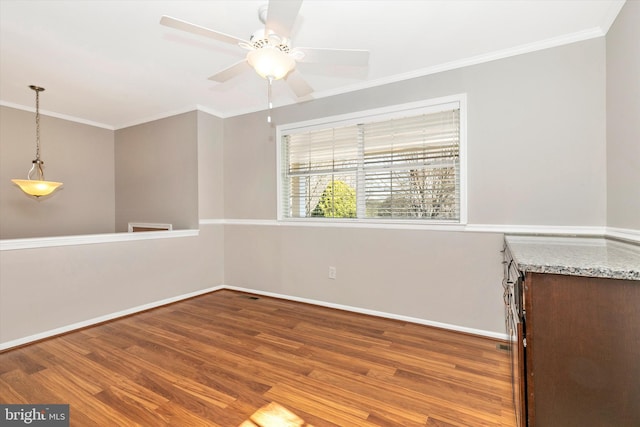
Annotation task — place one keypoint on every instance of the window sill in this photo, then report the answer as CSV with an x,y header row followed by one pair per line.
x,y
44,242
363,223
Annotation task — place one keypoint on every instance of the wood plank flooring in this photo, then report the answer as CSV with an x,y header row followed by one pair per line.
x,y
230,359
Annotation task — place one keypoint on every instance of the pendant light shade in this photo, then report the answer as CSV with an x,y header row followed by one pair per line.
x,y
37,188
35,184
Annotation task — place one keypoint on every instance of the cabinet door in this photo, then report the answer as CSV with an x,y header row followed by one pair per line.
x,y
583,351
518,372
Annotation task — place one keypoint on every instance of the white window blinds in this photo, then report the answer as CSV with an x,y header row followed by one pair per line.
x,y
404,168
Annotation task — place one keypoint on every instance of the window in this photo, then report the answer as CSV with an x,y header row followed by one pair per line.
x,y
404,163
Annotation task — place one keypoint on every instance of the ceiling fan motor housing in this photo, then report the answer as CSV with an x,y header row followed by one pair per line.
x,y
261,38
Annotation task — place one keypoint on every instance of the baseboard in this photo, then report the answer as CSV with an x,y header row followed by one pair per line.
x,y
112,316
96,320
383,314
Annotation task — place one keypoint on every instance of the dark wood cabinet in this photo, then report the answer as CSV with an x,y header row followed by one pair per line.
x,y
582,358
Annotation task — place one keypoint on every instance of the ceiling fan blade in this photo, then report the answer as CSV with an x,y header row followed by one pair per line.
x,y
196,29
298,84
353,57
281,16
230,72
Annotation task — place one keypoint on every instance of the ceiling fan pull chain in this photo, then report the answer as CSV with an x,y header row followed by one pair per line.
x,y
269,84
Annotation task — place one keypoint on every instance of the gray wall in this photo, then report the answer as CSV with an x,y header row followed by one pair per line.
x,y
623,119
526,153
210,167
80,156
156,172
536,156
75,284
445,277
144,173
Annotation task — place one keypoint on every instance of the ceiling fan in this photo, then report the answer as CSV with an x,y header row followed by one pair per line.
x,y
270,52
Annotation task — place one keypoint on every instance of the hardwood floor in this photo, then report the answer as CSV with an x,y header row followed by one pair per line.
x,y
231,359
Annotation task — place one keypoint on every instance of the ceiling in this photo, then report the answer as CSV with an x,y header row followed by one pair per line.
x,y
111,64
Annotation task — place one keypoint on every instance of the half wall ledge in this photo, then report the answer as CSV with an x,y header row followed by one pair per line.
x,y
44,242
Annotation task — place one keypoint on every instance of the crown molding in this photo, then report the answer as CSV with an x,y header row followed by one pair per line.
x,y
56,115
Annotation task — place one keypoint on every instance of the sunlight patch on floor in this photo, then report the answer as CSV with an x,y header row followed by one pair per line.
x,y
274,415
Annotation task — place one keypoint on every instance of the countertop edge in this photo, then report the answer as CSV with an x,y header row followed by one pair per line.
x,y
596,271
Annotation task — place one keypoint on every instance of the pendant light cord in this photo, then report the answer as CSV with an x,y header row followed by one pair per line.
x,y
37,163
37,123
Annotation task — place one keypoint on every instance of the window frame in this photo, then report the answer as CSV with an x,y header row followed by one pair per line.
x,y
385,113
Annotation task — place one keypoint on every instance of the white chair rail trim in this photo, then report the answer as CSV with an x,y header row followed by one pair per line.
x,y
628,234
595,231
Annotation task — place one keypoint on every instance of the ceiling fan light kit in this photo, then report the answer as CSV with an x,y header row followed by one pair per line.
x,y
270,53
271,62
35,184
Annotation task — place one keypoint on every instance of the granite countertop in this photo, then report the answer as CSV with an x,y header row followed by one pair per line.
x,y
576,256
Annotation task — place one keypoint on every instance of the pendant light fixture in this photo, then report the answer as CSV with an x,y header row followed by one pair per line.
x,y
35,185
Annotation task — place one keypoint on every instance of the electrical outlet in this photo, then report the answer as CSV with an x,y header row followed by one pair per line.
x,y
332,273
